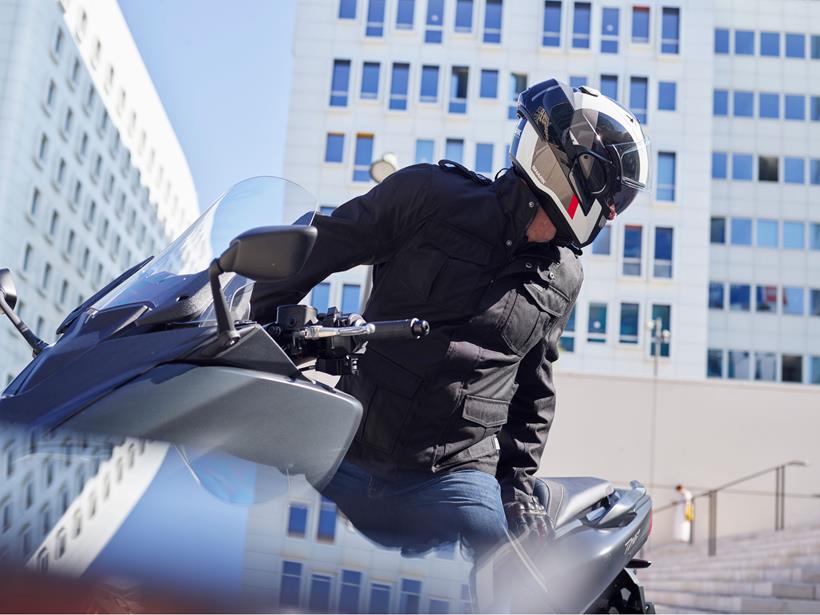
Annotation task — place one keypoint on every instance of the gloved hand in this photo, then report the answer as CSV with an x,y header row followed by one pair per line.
x,y
526,516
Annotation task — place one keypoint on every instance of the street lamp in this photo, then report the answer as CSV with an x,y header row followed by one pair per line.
x,y
380,170
659,336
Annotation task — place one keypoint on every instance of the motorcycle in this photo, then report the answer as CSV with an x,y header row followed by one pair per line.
x,y
168,351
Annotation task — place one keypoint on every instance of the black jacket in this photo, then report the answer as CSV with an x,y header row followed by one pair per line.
x,y
450,247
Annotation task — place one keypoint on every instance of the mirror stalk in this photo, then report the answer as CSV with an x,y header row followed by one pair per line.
x,y
228,335
37,345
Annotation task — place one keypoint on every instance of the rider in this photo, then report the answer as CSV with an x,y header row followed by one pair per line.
x,y
454,426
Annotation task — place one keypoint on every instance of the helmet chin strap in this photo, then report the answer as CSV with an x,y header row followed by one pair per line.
x,y
551,209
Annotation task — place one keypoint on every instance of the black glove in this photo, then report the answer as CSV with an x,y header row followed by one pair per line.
x,y
525,517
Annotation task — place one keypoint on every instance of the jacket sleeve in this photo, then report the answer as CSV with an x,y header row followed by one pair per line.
x,y
363,231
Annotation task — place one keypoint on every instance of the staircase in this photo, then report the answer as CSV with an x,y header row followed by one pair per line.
x,y
768,572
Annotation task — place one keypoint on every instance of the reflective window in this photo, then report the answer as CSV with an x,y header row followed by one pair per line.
x,y
484,157
410,597
364,158
398,86
638,87
767,232
666,176
744,105
815,368
742,167
766,366
815,46
320,297
632,250
664,313
744,42
766,299
347,9
424,150
580,25
740,297
370,80
609,86
438,606
464,16
663,252
667,94
670,30
739,365
379,598
602,243
405,13
795,45
770,44
488,88
289,590
492,21
429,84
720,103
814,305
319,600
458,89
721,40
629,323
349,592
814,236
767,168
596,324
741,231
552,24
610,18
334,147
435,21
791,368
375,18
793,235
769,105
576,81
714,363
297,520
720,165
795,107
567,341
814,171
326,531
814,109
518,83
640,24
454,150
793,301
794,170
716,300
340,83
351,298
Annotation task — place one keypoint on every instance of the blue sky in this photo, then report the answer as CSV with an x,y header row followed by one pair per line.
x,y
222,70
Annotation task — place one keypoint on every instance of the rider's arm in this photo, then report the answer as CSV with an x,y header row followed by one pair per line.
x,y
363,231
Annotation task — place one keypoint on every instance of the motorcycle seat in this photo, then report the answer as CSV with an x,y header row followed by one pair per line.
x,y
565,498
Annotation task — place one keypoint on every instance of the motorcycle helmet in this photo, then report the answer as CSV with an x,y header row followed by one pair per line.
x,y
582,153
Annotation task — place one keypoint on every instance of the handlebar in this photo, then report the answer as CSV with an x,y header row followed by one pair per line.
x,y
411,328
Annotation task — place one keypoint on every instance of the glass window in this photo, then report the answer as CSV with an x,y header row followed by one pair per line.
x,y
814,171
297,520
714,363
741,231
793,235
581,25
552,24
767,232
319,601
489,83
638,87
744,104
815,368
609,86
795,45
454,150
364,158
740,297
410,596
398,86
349,592
663,252
632,250
291,580
458,89
576,81
814,307
347,9
767,168
640,24
602,243
744,43
795,107
326,531
351,298
629,323
327,210
375,18
667,94
464,16
596,326
518,83
766,298
814,109
793,301
424,150
405,13
769,105
484,157
791,369
610,18
334,147
742,167
721,40
429,84
340,83
720,162
664,313
435,21
815,46
492,21
770,44
720,103
814,236
379,598
716,300
766,366
794,170
739,365
439,606
370,80
666,176
567,341
670,30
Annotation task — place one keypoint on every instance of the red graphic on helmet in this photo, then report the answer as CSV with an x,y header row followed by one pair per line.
x,y
573,207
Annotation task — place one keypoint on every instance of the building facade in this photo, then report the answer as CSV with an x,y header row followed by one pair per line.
x,y
725,101
92,178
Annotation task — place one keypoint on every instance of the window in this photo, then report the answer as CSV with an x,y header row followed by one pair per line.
x,y
484,157
488,87
454,150
398,86
791,368
410,596
596,324
34,205
795,45
518,83
429,84
375,18
340,83
793,235
814,171
714,363
75,72
770,44
326,531
458,89
580,25
438,606
629,323
334,147
46,276
744,105
793,301
814,236
27,255
794,170
740,297
744,43
632,250
424,150
552,24
742,167
766,299
814,109
435,21
54,223
351,298
51,95
663,252
609,86
347,9
68,121
297,520
721,40
638,87
349,592
319,601
769,105
815,46
815,368
57,45
670,30
666,176
767,168
25,541
741,231
766,366
493,11
640,24
720,103
719,165
567,341
663,313
609,29
667,93
464,16
405,15
370,81
379,598
602,243
290,586
795,107
364,157
767,233
716,299
42,148
320,297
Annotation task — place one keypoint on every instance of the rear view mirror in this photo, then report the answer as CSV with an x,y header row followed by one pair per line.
x,y
7,287
269,253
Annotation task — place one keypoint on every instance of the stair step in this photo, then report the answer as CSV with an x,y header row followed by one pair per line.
x,y
783,561
665,608
733,604
797,591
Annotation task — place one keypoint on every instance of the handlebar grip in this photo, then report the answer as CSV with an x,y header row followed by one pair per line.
x,y
412,328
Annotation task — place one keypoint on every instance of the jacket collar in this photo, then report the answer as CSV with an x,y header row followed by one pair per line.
x,y
520,205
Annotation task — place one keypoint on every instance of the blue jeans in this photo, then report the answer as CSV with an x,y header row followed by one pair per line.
x,y
417,511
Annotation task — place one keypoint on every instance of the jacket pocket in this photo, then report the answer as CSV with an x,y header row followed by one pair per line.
x,y
534,309
547,298
485,411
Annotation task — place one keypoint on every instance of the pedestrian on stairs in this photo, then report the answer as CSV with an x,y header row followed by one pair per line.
x,y
684,515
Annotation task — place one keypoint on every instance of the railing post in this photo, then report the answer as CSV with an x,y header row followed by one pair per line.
x,y
692,523
712,523
777,498
783,499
